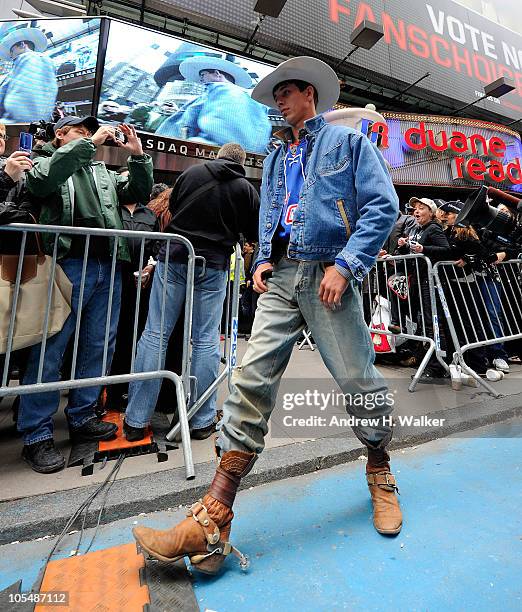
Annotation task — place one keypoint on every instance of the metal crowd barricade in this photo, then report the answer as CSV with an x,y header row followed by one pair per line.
x,y
400,290
182,383
307,339
482,308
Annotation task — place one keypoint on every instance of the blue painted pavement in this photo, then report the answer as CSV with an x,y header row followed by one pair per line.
x,y
313,546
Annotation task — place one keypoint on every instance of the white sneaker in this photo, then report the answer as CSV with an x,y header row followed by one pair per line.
x,y
501,364
456,377
494,375
468,380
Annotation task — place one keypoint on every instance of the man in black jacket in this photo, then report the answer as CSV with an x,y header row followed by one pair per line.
x,y
211,205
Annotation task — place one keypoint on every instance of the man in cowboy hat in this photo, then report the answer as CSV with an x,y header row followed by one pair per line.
x,y
28,93
327,205
224,112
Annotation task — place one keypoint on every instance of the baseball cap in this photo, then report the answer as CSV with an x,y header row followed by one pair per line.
x,y
426,201
91,123
453,206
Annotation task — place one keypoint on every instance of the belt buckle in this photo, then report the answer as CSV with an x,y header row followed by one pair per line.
x,y
389,482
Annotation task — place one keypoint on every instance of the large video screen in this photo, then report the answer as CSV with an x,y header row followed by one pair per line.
x,y
178,89
47,68
503,12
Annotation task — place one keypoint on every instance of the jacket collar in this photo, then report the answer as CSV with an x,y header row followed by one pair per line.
x,y
311,126
48,149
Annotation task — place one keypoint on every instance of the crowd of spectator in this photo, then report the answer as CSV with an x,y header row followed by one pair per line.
x,y
478,304
61,183
214,206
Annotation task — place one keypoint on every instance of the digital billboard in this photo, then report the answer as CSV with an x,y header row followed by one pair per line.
x,y
174,88
504,12
47,68
460,48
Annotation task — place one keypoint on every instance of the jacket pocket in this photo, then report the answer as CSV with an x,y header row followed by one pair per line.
x,y
344,216
334,167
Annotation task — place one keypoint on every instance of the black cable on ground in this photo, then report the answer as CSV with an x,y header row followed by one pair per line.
x,y
107,484
84,507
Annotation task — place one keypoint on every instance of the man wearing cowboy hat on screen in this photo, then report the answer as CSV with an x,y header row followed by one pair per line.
x,y
28,92
327,205
224,112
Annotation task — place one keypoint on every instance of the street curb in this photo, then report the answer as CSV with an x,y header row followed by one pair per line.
x,y
37,516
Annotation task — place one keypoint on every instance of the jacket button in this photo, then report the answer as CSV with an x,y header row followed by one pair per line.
x,y
268,225
280,183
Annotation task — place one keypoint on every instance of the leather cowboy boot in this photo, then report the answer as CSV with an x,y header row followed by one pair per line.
x,y
204,535
387,515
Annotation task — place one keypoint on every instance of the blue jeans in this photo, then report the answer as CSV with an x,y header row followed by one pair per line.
x,y
35,416
491,292
343,340
209,295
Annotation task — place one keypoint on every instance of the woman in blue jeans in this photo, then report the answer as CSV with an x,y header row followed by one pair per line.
x,y
209,294
211,205
491,291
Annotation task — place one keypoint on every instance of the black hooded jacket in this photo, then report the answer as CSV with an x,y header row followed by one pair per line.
x,y
211,205
141,220
431,236
16,206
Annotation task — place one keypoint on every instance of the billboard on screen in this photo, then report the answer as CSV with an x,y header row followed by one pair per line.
x,y
47,68
178,89
461,49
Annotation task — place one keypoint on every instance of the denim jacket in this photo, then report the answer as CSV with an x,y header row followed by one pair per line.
x,y
347,205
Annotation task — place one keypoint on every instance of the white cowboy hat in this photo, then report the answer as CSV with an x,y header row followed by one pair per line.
x,y
353,117
308,69
192,66
18,34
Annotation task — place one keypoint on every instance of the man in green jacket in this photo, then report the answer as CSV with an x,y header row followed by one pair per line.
x,y
74,190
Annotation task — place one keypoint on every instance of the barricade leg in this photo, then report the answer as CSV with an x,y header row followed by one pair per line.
x,y
467,370
424,363
468,305
183,426
307,334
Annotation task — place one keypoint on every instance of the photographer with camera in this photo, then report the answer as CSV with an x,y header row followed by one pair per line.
x,y
497,218
74,190
12,171
15,207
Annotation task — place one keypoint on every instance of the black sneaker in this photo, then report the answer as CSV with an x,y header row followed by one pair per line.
x,y
133,434
93,429
203,433
43,457
431,378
